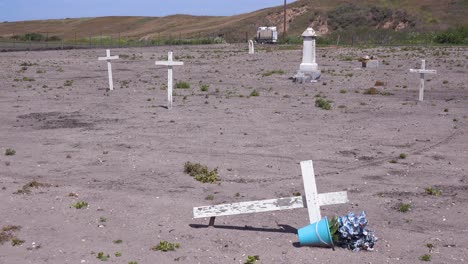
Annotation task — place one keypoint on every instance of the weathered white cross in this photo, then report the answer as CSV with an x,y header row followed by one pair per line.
x,y
251,47
422,71
108,58
312,201
169,63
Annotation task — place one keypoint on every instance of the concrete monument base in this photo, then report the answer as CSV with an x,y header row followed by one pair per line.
x,y
307,77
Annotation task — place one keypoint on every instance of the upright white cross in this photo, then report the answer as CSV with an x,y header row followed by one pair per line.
x,y
422,71
251,47
169,63
312,201
108,58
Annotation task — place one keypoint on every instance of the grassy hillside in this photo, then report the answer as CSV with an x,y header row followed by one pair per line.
x,y
326,16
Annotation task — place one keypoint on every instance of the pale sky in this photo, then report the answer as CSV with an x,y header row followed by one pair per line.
x,y
16,10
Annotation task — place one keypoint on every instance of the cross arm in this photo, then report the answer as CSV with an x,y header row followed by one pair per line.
x,y
423,71
267,205
170,63
108,58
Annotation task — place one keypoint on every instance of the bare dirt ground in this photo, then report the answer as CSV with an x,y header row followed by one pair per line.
x,y
123,153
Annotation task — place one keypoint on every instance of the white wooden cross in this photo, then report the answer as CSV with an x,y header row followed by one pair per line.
x,y
251,47
169,63
312,201
422,71
108,58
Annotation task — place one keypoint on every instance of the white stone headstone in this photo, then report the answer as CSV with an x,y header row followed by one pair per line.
x,y
308,70
251,47
108,58
421,72
169,63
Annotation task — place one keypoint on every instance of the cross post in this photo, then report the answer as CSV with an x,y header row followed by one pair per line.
x,y
169,63
312,200
108,58
421,72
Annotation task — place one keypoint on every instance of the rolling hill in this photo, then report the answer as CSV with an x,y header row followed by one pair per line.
x,y
326,16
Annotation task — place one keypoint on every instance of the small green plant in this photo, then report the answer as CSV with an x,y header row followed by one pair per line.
x,y
166,246
102,219
445,82
118,254
10,152
343,91
16,241
103,257
334,227
404,208
433,191
323,103
201,173
133,262
204,88
118,241
296,194
425,257
272,72
27,79
403,156
393,161
183,85
252,259
80,205
372,91
11,228
254,93
209,197
68,83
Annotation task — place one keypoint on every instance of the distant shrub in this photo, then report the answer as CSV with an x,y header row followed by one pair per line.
x,y
453,36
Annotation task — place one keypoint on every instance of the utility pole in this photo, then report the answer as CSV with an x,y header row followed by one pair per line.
x,y
284,25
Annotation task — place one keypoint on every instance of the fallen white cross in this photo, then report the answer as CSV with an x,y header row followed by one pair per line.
x,y
169,63
108,58
422,71
312,201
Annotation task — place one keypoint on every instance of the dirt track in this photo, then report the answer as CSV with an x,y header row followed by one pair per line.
x,y
123,152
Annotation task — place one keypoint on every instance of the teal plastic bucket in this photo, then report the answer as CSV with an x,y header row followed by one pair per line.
x,y
316,234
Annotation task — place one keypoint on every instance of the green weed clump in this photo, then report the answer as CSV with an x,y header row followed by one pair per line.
x,y
103,257
182,85
204,88
269,73
254,93
201,173
323,103
252,259
166,246
425,257
68,83
80,205
10,152
433,191
404,208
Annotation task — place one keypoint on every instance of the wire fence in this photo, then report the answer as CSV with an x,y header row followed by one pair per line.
x,y
80,40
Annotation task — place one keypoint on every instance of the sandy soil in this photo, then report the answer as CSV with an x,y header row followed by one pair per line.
x,y
123,153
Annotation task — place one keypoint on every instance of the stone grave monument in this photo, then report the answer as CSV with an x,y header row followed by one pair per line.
x,y
308,70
